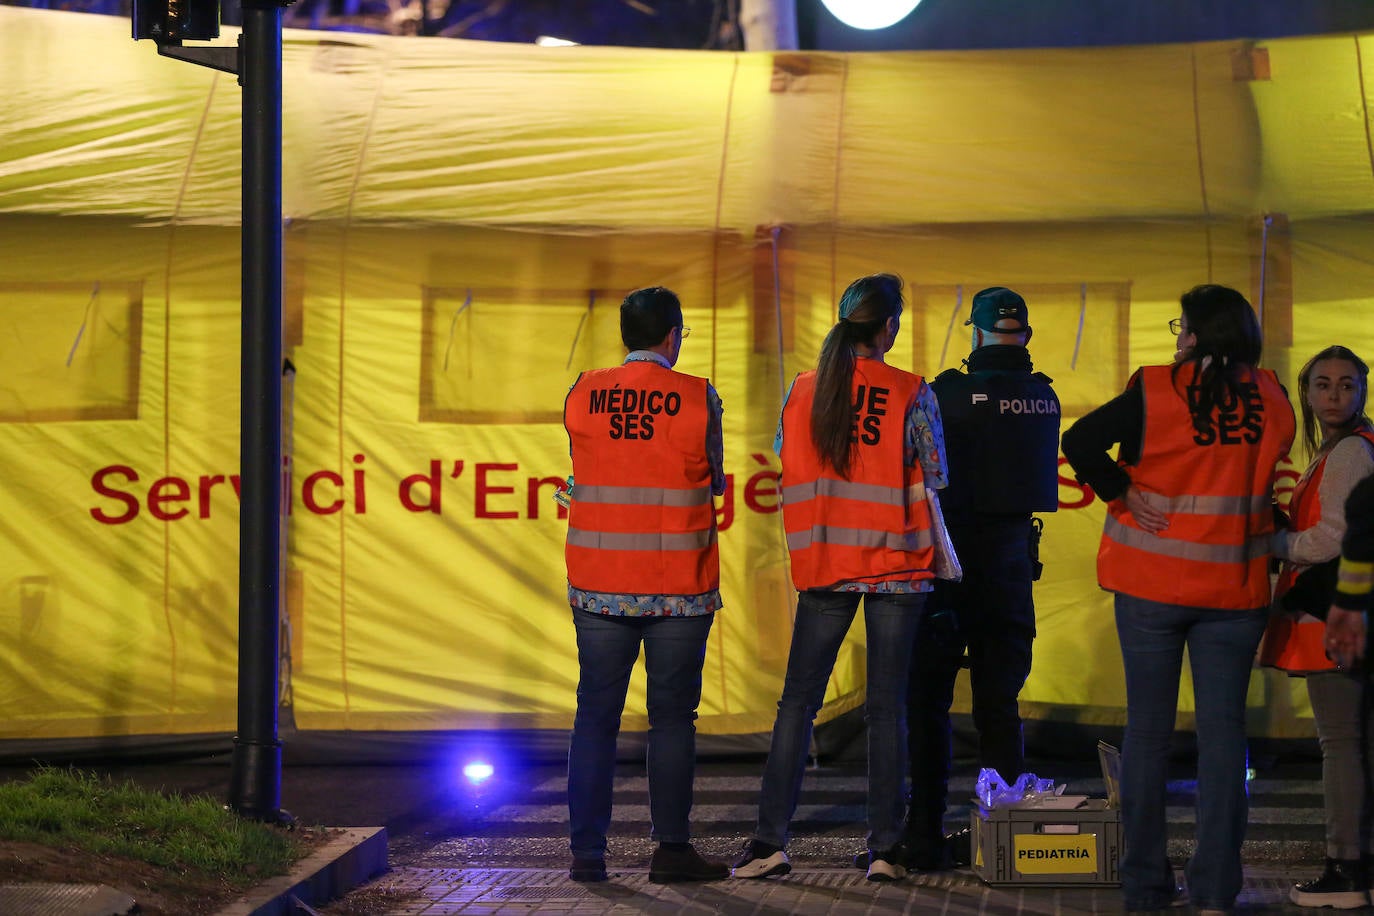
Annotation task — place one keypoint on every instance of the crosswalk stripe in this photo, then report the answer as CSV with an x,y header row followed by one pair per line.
x,y
837,814
958,787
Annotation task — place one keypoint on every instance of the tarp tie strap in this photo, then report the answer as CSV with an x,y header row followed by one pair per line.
x,y
1264,263
954,316
591,302
453,325
1082,312
85,319
773,235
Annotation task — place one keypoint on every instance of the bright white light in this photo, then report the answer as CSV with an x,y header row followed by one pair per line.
x,y
548,41
870,14
478,772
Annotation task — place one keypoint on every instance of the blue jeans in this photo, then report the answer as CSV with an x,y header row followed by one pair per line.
x,y
1221,649
607,648
823,619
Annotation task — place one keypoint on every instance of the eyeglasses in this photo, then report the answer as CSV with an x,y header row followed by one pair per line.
x,y
1177,327
686,331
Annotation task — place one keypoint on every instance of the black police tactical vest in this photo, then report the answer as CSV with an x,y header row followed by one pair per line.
x,y
1002,441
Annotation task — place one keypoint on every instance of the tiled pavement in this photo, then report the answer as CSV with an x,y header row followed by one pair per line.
x,y
452,891
502,847
511,856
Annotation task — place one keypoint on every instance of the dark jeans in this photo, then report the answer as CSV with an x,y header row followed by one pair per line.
x,y
607,648
992,614
1221,649
823,619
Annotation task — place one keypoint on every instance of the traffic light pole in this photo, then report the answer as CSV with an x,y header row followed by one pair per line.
x,y
255,775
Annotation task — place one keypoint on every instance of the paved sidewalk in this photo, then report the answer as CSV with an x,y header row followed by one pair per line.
x,y
502,847
507,853
451,891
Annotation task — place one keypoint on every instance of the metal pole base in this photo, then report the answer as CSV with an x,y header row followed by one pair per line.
x,y
255,782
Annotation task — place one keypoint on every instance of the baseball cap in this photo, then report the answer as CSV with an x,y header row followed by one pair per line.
x,y
996,303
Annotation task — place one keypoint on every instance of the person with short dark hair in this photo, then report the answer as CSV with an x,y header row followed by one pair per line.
x,y
861,444
643,570
1185,548
1001,423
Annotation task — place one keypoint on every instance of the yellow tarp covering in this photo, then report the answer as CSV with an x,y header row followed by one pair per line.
x,y
463,220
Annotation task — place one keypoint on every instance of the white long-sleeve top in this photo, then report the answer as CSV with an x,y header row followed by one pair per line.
x,y
1349,462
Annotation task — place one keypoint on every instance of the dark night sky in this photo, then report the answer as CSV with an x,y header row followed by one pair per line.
x,y
934,24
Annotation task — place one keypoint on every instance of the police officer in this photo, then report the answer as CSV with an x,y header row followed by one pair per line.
x,y
1002,445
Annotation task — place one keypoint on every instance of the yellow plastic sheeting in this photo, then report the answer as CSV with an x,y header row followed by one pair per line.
x,y
464,221
421,599
445,131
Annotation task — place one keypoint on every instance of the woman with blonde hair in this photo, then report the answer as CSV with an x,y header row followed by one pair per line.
x,y
1332,391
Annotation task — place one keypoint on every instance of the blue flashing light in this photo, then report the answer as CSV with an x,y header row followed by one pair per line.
x,y
478,771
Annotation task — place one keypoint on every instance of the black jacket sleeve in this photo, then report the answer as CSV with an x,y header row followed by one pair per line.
x,y
1355,587
1088,441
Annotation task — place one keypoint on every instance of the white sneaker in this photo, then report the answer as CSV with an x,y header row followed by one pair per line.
x,y
764,867
883,870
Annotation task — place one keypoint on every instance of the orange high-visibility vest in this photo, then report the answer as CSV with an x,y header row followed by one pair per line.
x,y
1216,487
875,526
642,521
1299,645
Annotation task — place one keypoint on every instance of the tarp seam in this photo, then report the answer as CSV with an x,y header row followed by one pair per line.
x,y
1364,104
715,306
835,190
1201,164
167,383
339,425
834,292
720,203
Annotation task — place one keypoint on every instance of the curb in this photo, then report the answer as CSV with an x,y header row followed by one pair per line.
x,y
348,860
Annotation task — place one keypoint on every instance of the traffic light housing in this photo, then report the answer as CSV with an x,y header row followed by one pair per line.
x,y
170,22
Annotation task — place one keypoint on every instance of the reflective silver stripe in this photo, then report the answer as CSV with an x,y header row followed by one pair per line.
x,y
1208,505
848,489
651,540
858,537
1127,536
641,496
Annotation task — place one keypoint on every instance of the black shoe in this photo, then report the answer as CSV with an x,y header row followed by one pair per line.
x,y
671,864
927,853
1342,886
958,847
587,870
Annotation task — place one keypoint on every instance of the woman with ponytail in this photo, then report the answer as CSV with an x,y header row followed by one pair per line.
x,y
1185,548
860,443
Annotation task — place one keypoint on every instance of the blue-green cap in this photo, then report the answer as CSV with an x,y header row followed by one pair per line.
x,y
995,304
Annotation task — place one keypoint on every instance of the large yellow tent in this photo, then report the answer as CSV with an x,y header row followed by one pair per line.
x,y
463,221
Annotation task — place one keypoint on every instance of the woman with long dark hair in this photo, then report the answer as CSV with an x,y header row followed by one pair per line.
x,y
1332,391
860,443
1185,548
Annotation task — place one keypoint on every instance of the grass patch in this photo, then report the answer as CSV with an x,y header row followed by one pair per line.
x,y
185,834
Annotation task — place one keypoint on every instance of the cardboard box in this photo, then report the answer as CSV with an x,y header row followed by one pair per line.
x,y
1049,847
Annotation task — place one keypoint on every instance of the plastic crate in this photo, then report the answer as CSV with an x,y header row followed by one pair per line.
x,y
1048,847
